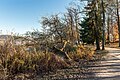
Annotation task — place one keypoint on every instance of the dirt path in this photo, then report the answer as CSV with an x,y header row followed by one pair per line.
x,y
105,69
109,68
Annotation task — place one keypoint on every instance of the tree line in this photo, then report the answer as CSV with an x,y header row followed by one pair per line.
x,y
72,28
99,20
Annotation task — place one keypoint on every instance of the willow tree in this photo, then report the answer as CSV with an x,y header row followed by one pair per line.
x,y
54,27
71,19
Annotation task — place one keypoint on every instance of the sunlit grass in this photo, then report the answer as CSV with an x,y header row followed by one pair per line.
x,y
15,60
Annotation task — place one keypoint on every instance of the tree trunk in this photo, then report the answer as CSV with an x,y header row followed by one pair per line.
x,y
108,30
96,33
118,20
103,36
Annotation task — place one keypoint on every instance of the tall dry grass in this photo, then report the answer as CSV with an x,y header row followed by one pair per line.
x,y
16,59
18,63
80,52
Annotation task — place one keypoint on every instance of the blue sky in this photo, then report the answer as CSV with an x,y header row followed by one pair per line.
x,y
19,16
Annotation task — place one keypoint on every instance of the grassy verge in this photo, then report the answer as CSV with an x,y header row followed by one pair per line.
x,y
18,63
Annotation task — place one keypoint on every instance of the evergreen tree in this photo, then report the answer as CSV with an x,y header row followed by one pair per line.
x,y
87,31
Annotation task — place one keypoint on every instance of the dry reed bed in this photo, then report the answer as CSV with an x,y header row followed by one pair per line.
x,y
16,61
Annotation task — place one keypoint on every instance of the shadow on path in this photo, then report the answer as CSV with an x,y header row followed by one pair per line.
x,y
108,68
105,69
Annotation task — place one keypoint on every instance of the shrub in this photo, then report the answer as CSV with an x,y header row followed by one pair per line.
x,y
16,59
81,52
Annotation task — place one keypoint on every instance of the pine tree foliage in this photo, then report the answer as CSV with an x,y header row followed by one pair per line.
x,y
87,31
